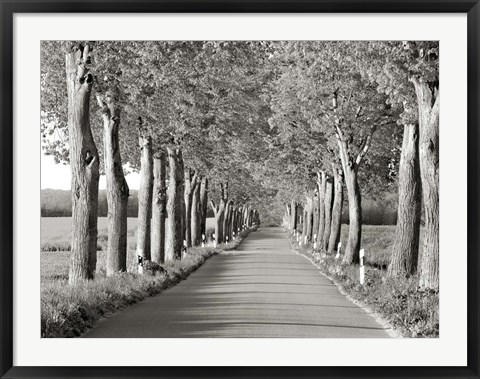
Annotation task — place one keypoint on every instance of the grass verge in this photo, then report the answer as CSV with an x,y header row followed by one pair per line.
x,y
68,311
410,311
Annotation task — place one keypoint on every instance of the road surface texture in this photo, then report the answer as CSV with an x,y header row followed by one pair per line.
x,y
262,289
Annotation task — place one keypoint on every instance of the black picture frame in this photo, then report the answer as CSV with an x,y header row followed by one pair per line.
x,y
9,8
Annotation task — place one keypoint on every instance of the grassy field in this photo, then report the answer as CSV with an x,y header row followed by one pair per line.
x,y
377,240
55,232
55,245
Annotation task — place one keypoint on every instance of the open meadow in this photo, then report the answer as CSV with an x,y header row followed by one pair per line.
x,y
377,240
55,234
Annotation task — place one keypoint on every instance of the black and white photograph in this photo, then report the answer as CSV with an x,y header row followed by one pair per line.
x,y
239,189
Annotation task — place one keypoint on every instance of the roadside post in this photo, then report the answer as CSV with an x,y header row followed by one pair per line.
x,y
203,240
315,241
140,264
362,267
184,249
214,240
339,249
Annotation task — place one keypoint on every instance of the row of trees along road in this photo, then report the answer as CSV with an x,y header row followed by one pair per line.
x,y
182,107
338,107
272,126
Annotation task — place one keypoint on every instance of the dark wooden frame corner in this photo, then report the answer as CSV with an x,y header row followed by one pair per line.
x,y
10,7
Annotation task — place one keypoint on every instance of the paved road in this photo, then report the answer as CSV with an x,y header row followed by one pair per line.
x,y
261,290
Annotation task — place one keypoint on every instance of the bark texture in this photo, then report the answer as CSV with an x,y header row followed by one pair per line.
x,y
350,165
336,209
309,219
316,214
304,222
196,220
117,187
328,212
190,183
159,208
204,204
219,211
352,250
405,248
294,209
84,164
321,182
175,206
428,114
145,194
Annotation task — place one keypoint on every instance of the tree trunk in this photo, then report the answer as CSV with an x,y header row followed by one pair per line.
x,y
322,182
350,167
219,211
159,208
239,220
288,216
204,204
175,206
196,216
294,216
405,248
225,221
336,210
304,224
229,223
309,218
117,187
190,183
328,212
316,216
84,163
428,112
352,251
145,195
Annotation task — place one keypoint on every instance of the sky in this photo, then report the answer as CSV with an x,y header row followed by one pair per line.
x,y
58,176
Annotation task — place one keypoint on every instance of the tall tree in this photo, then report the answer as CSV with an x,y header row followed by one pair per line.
x,y
117,187
159,206
145,194
84,163
175,206
407,235
336,208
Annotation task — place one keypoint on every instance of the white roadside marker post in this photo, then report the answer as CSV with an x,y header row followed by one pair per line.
x,y
140,264
226,240
339,249
315,241
362,267
203,240
305,240
184,249
233,234
214,240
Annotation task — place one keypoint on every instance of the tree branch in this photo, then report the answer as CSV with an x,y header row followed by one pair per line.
x,y
365,147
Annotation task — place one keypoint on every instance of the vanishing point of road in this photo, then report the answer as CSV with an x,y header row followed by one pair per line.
x,y
262,289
